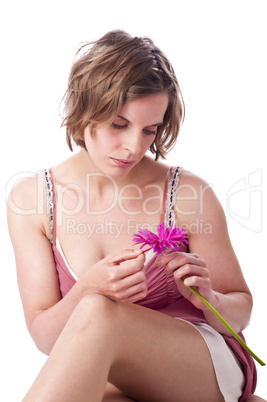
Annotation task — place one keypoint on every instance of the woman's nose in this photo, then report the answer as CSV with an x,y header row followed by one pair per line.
x,y
133,141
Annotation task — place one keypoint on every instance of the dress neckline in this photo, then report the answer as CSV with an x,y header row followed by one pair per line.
x,y
167,213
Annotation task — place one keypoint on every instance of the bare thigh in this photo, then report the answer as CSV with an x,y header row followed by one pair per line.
x,y
160,358
148,356
112,394
253,398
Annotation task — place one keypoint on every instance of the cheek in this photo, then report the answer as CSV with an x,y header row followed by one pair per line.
x,y
106,142
100,142
149,141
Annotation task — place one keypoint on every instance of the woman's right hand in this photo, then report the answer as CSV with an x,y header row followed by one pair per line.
x,y
120,277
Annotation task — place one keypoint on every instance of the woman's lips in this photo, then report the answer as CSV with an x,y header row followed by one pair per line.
x,y
122,162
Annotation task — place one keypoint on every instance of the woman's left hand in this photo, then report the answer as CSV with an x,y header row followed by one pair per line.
x,y
193,271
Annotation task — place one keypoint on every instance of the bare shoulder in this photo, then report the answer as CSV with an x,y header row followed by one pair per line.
x,y
188,178
26,203
26,197
195,199
195,186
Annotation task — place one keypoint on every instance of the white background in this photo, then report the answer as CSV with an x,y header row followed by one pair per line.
x,y
218,50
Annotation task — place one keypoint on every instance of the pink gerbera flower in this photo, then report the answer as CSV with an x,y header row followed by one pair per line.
x,y
168,238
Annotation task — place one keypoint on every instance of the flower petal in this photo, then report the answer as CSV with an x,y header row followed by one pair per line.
x,y
168,238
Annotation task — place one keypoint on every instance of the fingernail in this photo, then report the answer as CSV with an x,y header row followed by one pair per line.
x,y
159,263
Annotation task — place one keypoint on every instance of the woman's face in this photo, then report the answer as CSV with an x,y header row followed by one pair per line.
x,y
115,149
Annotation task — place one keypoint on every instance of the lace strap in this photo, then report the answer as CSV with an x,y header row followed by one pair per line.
x,y
48,183
170,198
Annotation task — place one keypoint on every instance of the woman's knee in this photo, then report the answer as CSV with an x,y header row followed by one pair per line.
x,y
95,301
93,310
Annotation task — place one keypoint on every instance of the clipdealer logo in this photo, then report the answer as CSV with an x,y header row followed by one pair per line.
x,y
244,201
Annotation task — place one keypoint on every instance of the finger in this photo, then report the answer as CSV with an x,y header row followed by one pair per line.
x,y
136,297
189,270
124,256
136,293
196,281
127,287
166,258
181,260
125,265
202,285
130,267
133,280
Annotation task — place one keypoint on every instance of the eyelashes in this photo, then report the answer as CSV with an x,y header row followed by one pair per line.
x,y
122,126
118,126
150,132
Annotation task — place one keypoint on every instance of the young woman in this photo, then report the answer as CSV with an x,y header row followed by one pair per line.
x,y
116,322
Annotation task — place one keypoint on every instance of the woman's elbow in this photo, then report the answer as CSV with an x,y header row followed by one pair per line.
x,y
42,346
42,337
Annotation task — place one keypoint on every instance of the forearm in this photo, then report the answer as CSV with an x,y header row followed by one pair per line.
x,y
234,307
120,277
48,324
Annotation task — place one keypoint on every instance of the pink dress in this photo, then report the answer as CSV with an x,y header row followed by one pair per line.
x,y
162,294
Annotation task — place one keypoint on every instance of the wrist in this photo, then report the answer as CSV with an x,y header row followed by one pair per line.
x,y
212,299
83,287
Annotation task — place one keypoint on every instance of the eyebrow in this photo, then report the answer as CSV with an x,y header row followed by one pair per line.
x,y
152,125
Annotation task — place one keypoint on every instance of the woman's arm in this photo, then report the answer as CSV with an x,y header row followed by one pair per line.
x,y
213,268
46,313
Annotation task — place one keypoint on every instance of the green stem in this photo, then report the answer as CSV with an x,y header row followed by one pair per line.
x,y
227,326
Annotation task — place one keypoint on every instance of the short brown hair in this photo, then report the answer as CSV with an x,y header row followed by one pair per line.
x,y
114,70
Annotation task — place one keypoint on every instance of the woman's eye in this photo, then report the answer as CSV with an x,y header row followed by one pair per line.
x,y
122,126
146,131
118,126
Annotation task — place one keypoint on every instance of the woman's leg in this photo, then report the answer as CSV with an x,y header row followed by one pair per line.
x,y
112,394
255,398
147,355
